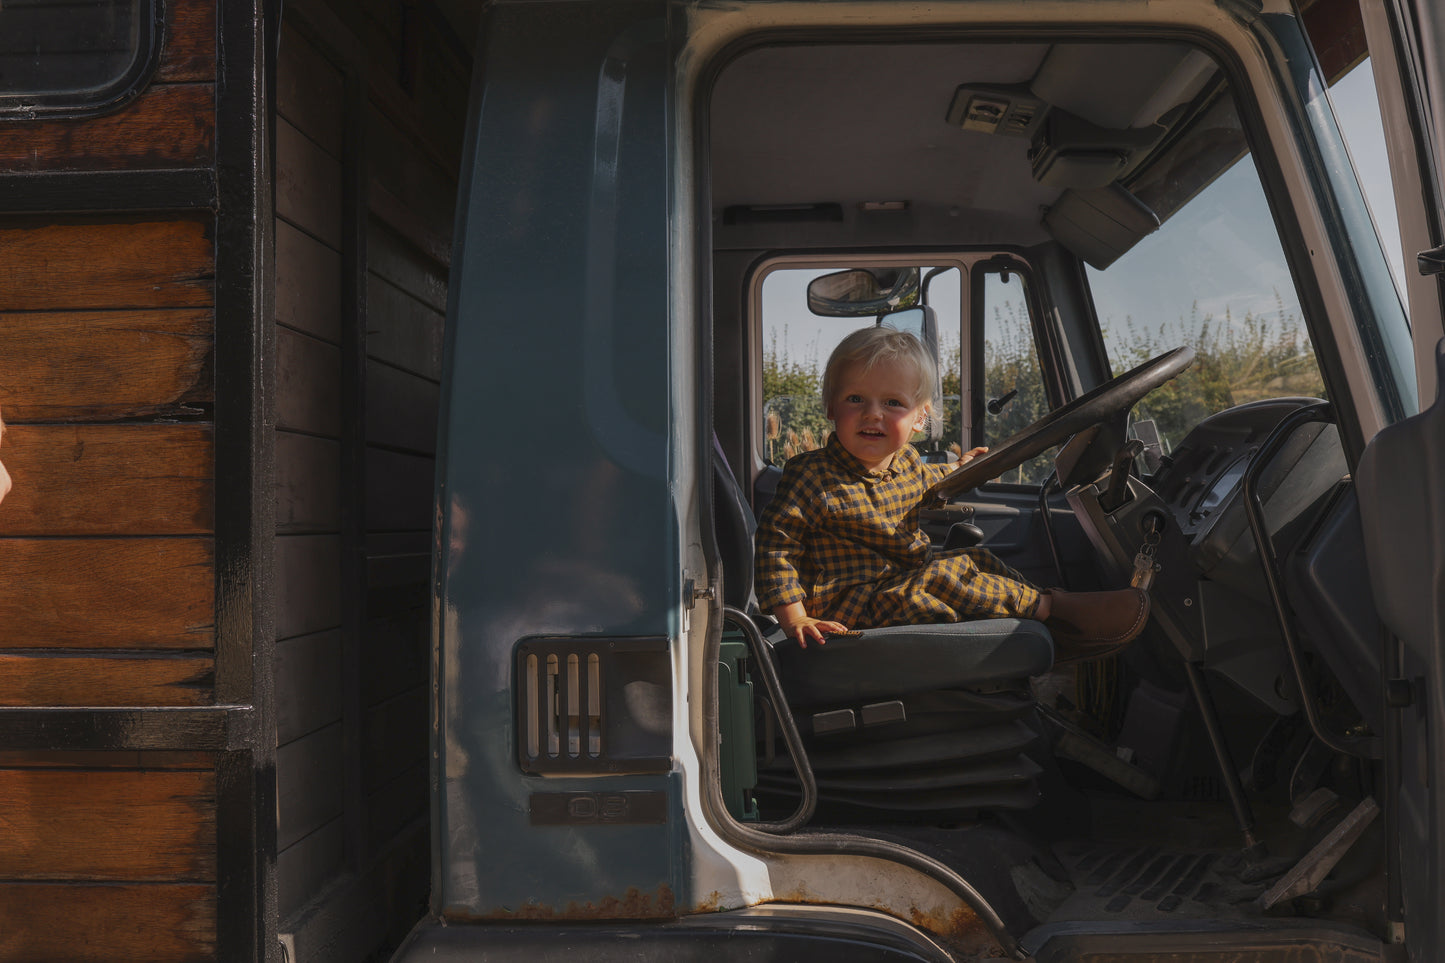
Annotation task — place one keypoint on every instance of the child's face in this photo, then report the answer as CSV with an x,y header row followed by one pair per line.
x,y
872,412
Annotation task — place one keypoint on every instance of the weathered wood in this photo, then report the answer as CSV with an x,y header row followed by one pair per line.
x,y
428,235
395,653
108,923
107,825
105,759
393,737
100,366
389,256
189,53
308,684
310,91
303,869
308,584
308,185
397,560
401,409
169,125
403,331
109,480
120,263
396,805
308,784
125,191
308,479
398,491
308,384
66,680
308,284
142,593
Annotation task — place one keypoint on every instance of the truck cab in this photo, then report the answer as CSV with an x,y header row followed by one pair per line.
x,y
1138,245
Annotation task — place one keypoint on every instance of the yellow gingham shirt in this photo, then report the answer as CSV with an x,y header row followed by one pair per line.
x,y
834,528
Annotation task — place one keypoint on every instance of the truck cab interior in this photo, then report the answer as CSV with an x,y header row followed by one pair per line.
x,y
1074,213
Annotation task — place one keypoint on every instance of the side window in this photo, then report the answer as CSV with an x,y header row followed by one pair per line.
x,y
1011,395
795,345
66,58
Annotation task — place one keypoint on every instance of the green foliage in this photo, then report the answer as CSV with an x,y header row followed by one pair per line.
x,y
793,417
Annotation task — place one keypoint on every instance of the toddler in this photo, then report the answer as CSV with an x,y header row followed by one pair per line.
x,y
840,543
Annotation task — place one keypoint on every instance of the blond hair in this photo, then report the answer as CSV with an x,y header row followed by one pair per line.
x,y
867,347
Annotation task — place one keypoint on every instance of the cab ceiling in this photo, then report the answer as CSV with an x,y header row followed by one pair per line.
x,y
859,123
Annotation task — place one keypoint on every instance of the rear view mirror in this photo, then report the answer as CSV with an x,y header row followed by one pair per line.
x,y
862,292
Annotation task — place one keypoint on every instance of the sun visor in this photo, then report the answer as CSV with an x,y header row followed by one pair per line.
x,y
1099,225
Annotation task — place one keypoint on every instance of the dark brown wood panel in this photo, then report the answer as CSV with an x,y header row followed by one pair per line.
x,y
308,184
401,409
308,479
308,284
115,923
189,53
310,91
74,680
404,332
396,805
105,759
393,737
398,491
308,784
391,257
395,651
124,263
308,384
102,366
138,825
107,593
409,174
308,684
170,125
308,584
110,480
303,869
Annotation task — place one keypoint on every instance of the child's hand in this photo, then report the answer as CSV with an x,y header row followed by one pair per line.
x,y
798,624
971,455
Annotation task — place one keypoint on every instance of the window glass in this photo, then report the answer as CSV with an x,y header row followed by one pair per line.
x,y
76,54
1212,277
795,347
1013,383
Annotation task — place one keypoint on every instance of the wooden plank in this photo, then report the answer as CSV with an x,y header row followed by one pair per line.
x,y
105,759
308,584
169,125
310,91
429,237
401,409
308,684
308,481
395,653
304,869
308,284
102,366
308,384
124,263
107,825
139,593
399,167
107,680
309,784
396,805
108,923
397,560
308,185
390,257
110,480
393,737
398,491
189,53
403,331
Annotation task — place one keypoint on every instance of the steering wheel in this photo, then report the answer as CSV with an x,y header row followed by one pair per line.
x,y
1111,399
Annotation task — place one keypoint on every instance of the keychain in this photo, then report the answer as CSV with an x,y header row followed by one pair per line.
x,y
1145,565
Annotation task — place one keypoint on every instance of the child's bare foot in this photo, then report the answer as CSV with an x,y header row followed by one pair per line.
x,y
1092,625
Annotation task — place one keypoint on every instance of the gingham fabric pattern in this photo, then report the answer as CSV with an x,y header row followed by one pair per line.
x,y
846,542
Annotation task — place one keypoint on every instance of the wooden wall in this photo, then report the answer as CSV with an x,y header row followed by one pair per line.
x,y
107,548
366,170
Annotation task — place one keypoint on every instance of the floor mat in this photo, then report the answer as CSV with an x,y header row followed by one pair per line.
x,y
1112,881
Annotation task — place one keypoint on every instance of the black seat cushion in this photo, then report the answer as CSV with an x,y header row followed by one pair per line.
x,y
900,660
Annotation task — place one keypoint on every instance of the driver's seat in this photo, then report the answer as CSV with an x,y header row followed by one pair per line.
x,y
921,719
